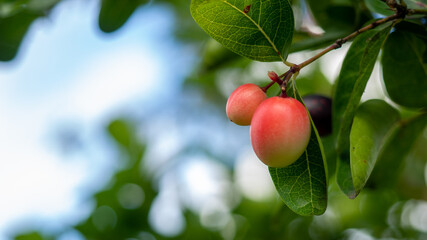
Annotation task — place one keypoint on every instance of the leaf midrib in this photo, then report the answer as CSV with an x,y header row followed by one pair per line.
x,y
417,53
311,184
361,73
259,28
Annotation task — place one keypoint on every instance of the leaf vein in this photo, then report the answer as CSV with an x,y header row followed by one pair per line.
x,y
311,184
258,26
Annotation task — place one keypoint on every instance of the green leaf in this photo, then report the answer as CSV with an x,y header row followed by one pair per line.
x,y
122,131
414,26
416,4
10,8
319,11
303,184
335,15
114,14
41,5
371,124
378,6
395,149
405,69
355,72
315,82
12,31
215,56
32,235
338,18
260,30
304,41
15,19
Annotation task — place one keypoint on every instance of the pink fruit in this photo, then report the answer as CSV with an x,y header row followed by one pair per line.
x,y
243,102
280,131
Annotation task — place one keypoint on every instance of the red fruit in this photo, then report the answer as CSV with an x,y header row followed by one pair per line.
x,y
280,131
243,102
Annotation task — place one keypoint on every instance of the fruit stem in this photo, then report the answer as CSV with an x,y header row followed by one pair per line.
x,y
264,89
283,93
285,81
274,78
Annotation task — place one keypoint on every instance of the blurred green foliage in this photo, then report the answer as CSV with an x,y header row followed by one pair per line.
x,y
114,14
15,19
123,207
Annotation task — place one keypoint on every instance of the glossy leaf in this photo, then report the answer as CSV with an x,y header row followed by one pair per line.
x,y
114,14
355,72
260,30
372,122
395,149
405,69
303,184
378,6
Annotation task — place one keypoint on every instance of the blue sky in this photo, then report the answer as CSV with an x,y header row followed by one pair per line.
x,y
68,73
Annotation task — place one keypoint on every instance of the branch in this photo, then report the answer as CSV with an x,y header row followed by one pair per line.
x,y
341,41
391,3
401,11
417,11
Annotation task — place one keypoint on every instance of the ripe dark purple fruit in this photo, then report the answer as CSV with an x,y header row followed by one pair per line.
x,y
320,110
243,102
280,131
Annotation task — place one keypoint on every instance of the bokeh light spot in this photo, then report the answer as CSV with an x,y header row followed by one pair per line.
x,y
130,196
104,218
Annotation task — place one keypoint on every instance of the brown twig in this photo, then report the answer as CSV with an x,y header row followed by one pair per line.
x,y
416,11
401,11
340,42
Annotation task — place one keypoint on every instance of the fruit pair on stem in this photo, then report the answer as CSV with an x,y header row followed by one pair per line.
x,y
280,126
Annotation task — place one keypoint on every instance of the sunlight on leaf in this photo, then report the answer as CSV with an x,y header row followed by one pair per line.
x,y
260,30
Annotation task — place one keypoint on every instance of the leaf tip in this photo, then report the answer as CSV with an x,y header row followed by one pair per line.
x,y
353,194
